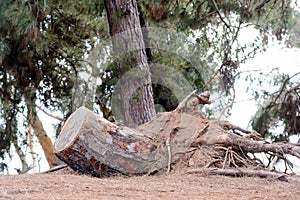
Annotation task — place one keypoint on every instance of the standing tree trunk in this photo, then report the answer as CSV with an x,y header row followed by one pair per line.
x,y
135,89
44,140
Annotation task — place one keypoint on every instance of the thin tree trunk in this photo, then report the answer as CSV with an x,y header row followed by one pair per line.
x,y
40,133
135,89
25,168
30,143
44,141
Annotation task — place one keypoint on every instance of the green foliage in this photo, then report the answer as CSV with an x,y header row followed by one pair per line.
x,y
218,24
281,108
8,130
171,64
41,51
214,26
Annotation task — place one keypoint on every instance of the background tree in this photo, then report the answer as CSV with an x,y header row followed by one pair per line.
x,y
279,109
128,41
215,26
41,46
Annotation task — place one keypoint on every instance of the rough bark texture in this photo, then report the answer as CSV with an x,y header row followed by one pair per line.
x,y
134,90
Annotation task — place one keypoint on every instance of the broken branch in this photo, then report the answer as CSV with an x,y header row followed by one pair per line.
x,y
239,173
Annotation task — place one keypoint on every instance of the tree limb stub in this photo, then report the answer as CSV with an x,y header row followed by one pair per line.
x,y
203,98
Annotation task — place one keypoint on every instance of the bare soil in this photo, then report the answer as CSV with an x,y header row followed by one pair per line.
x,y
172,186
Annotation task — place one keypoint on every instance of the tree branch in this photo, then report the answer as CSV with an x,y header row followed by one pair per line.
x,y
228,105
261,5
240,173
252,146
50,115
219,14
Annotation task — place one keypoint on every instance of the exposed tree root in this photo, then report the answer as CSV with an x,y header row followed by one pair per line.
x,y
237,145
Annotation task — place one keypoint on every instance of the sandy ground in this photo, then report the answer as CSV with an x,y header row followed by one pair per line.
x,y
173,186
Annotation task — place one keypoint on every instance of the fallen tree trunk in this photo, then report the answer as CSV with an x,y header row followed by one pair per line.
x,y
92,145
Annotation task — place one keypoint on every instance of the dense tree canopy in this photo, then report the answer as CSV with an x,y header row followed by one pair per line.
x,y
44,44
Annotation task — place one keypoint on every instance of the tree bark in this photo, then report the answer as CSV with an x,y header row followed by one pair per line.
x,y
135,90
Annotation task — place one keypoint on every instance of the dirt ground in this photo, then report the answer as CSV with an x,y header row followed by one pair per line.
x,y
172,186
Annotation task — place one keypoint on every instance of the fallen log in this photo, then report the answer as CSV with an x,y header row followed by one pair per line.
x,y
92,145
